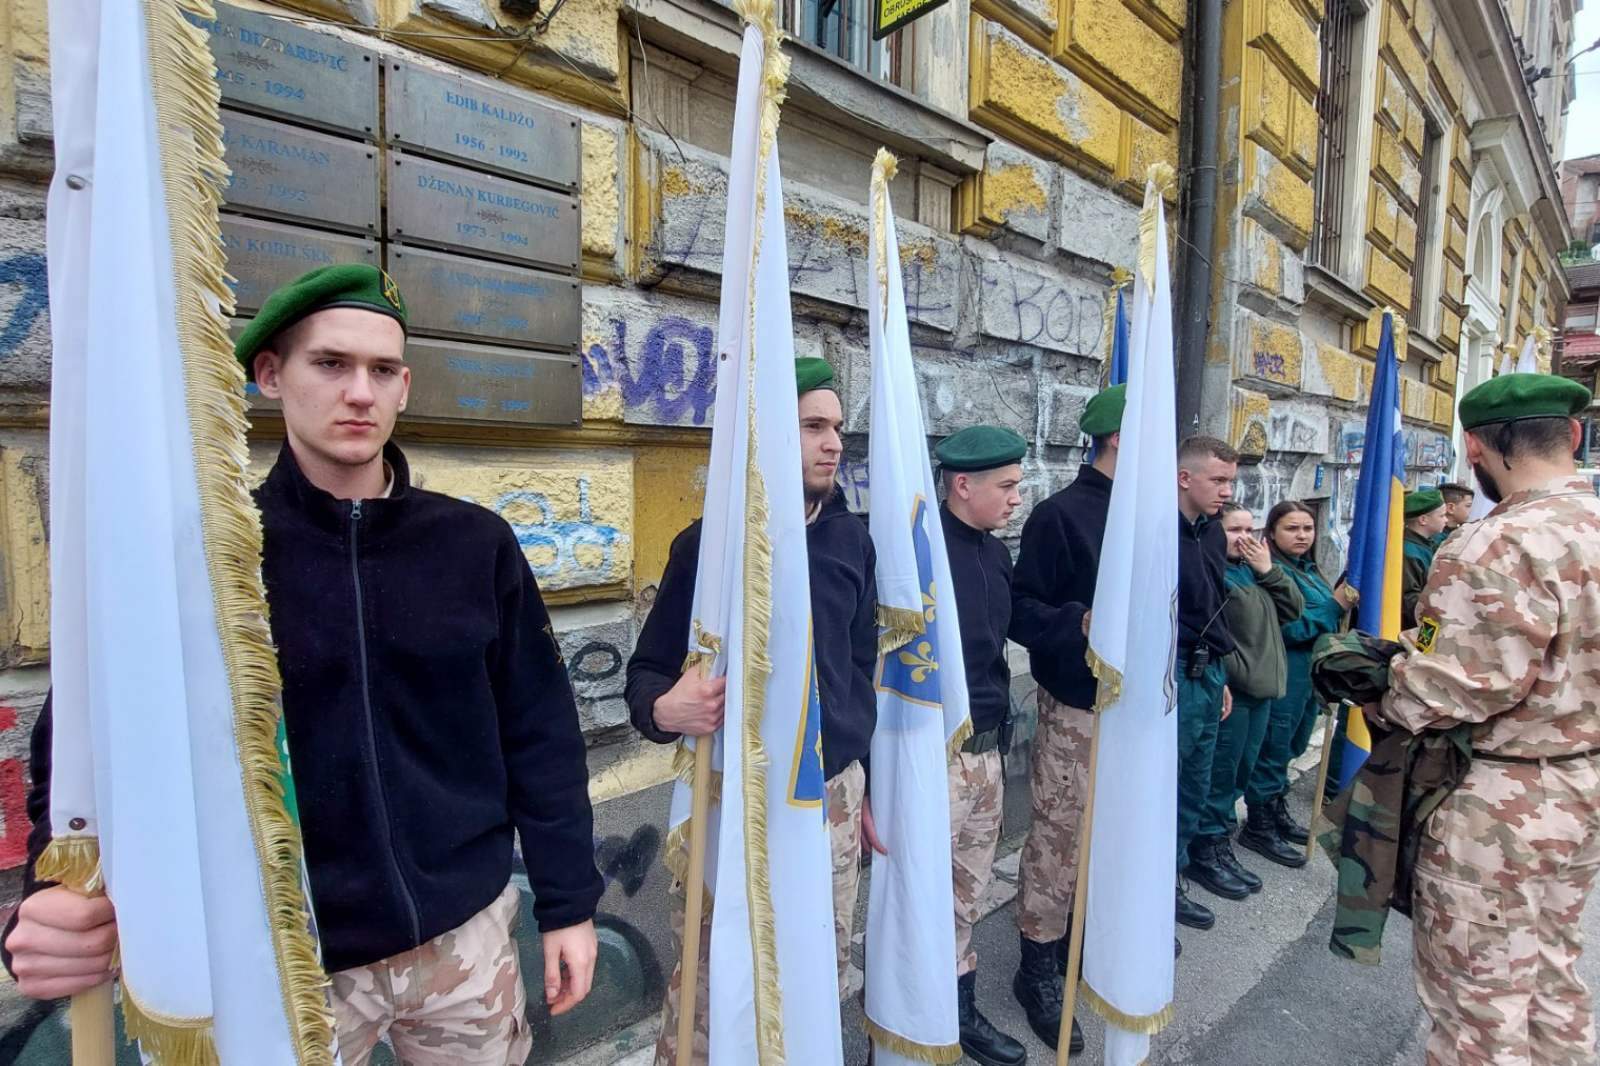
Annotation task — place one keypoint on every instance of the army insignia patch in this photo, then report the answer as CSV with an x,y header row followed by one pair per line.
x,y
391,291
1427,633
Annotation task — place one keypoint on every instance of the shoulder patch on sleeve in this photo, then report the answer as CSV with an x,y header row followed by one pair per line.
x,y
1427,633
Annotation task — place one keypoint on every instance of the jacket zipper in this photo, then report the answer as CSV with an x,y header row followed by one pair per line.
x,y
372,736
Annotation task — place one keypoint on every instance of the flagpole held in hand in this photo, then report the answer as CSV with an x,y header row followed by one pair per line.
x,y
93,1023
1080,898
694,897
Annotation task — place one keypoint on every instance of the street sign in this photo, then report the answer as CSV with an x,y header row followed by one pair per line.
x,y
890,15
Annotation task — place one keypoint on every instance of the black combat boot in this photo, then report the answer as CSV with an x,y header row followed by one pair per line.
x,y
1239,869
1208,870
1288,828
1190,913
982,1042
1260,835
1037,987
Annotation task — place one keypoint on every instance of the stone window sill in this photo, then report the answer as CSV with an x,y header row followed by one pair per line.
x,y
1328,289
820,84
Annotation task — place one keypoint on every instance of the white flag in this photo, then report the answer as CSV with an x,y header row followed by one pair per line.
x,y
774,990
921,691
1127,939
1528,361
166,785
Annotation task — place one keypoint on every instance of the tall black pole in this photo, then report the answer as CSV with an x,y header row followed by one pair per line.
x,y
1200,216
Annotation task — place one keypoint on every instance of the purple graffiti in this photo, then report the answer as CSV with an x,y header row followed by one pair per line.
x,y
675,372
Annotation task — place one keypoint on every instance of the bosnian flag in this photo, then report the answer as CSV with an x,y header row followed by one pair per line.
x,y
774,988
1133,634
167,786
921,690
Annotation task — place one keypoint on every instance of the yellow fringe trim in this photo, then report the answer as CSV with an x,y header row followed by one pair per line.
x,y
1110,678
73,862
189,126
166,1039
897,626
1120,279
962,734
1158,181
1149,1024
884,167
683,769
910,1049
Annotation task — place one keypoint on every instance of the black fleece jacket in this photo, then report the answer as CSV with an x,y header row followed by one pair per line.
x,y
1057,566
980,569
1202,562
844,626
428,714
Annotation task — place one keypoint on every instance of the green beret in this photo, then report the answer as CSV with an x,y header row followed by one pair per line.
x,y
1102,415
1515,396
812,374
347,285
980,448
1422,501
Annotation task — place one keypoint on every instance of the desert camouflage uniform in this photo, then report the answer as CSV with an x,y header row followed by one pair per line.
x,y
1059,787
1507,640
977,798
844,791
457,999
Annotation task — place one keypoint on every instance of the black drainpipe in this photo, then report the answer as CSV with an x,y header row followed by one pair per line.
x,y
1200,216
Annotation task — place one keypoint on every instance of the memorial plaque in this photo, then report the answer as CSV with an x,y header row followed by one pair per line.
x,y
285,172
447,207
449,296
477,383
264,255
273,66
451,117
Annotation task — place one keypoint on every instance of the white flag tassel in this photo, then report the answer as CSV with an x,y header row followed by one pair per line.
x,y
774,995
921,692
166,722
1127,940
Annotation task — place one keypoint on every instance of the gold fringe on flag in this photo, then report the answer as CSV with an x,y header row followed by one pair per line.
x,y
1159,181
962,734
165,1038
910,1049
189,128
897,626
884,167
1149,1024
1110,678
73,862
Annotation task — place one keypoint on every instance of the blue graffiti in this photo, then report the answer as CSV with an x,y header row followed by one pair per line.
x,y
675,372
561,539
26,271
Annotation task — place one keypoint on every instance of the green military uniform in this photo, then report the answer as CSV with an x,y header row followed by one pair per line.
x,y
1418,551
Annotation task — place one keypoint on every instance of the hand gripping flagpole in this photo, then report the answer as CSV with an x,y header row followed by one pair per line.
x,y
694,895
94,1030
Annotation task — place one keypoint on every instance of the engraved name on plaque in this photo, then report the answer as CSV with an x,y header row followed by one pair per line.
x,y
285,172
265,255
491,129
273,66
450,207
479,383
451,296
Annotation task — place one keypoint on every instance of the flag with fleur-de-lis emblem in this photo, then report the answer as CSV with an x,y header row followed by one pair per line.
x,y
921,690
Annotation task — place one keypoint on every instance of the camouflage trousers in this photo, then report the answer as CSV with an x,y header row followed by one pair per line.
x,y
456,999
1504,869
977,794
844,794
1059,787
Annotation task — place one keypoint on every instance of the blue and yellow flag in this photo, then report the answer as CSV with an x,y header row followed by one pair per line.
x,y
1377,535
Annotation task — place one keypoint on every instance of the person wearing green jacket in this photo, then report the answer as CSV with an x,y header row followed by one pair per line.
x,y
1425,519
1292,536
1261,599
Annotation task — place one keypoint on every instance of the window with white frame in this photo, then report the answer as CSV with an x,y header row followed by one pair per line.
x,y
1338,101
843,28
1430,226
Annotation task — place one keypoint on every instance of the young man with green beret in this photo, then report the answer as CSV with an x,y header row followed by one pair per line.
x,y
981,467
1425,520
1506,641
666,702
426,705
1058,564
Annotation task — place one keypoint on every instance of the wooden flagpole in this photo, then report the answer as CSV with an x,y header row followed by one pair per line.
x,y
1328,731
93,1027
694,888
1080,898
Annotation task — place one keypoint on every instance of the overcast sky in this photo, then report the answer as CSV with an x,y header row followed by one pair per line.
x,y
1583,120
